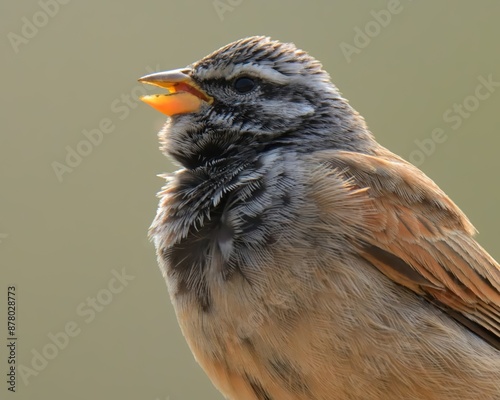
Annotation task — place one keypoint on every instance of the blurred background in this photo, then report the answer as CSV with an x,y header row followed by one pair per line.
x,y
79,158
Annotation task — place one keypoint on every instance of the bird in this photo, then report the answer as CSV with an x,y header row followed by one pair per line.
x,y
304,260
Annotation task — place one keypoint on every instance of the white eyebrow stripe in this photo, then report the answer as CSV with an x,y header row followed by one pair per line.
x,y
265,72
261,71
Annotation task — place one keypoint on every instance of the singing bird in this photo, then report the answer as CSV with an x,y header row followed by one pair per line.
x,y
303,259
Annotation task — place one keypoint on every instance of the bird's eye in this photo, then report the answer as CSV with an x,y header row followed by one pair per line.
x,y
244,84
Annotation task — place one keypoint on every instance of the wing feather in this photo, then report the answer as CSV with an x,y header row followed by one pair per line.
x,y
422,240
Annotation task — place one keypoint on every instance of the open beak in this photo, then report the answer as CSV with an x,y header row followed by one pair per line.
x,y
183,96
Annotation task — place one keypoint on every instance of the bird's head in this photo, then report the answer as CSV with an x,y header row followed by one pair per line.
x,y
249,95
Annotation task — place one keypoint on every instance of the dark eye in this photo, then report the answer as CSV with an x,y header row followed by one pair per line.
x,y
244,84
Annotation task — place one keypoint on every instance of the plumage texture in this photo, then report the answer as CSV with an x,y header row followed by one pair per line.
x,y
306,261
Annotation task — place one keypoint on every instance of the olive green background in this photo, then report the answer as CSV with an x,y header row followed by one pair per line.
x,y
60,241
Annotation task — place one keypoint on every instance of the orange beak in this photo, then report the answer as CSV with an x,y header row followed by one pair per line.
x,y
183,96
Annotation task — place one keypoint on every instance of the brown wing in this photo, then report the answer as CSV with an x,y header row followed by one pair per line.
x,y
420,239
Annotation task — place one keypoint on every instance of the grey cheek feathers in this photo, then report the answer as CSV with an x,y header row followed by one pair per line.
x,y
291,111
